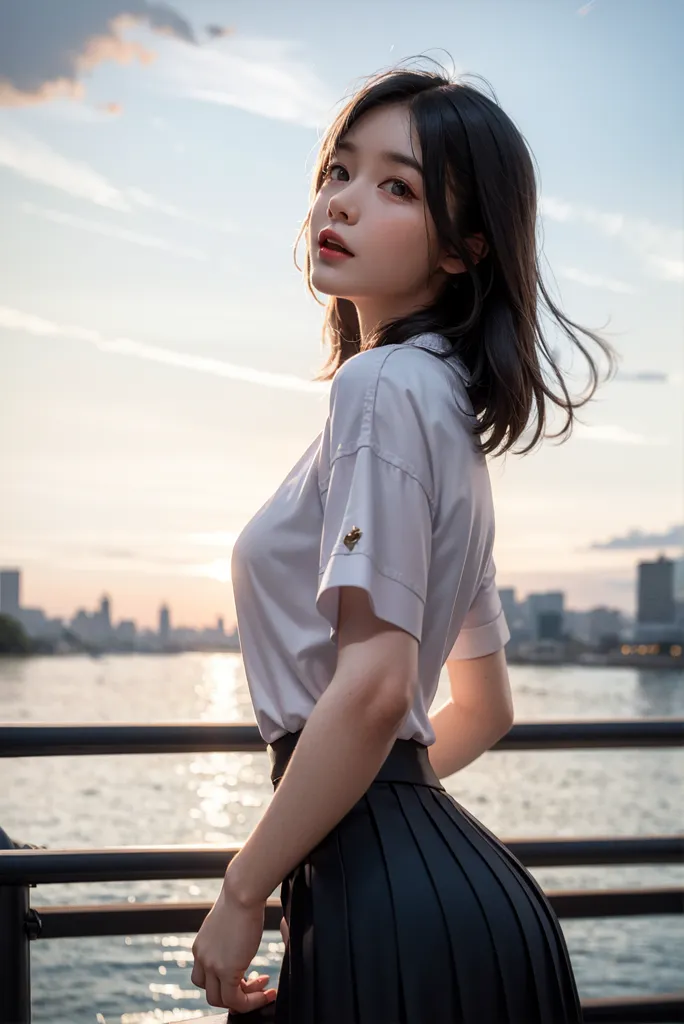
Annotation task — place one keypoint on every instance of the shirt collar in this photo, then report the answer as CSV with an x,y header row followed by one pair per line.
x,y
438,343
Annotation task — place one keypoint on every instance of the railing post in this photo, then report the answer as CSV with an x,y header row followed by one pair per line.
x,y
15,966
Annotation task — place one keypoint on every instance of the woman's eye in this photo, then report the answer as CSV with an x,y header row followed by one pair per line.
x,y
408,194
334,167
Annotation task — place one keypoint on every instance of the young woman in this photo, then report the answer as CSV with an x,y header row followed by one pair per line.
x,y
372,566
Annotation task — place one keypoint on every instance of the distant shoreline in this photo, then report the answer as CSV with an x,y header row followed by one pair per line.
x,y
593,661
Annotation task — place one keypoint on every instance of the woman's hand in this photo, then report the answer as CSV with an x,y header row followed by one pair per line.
x,y
223,949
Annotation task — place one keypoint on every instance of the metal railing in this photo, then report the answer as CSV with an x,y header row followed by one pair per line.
x,y
25,866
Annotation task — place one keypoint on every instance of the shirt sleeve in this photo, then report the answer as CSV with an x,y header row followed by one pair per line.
x,y
484,629
377,516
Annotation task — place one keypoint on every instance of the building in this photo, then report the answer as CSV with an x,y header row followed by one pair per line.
x,y
106,614
678,590
102,622
81,625
546,615
164,624
126,632
605,624
656,618
37,624
655,596
10,592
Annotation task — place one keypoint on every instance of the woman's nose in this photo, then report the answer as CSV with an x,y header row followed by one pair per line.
x,y
343,205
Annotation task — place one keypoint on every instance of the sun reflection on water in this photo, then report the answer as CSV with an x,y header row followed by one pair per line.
x,y
228,792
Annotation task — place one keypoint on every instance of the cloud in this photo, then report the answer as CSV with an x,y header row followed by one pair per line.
x,y
259,75
114,231
660,246
219,31
668,269
585,8
263,76
636,539
45,45
614,435
33,159
643,377
112,108
114,554
29,157
17,320
141,198
596,281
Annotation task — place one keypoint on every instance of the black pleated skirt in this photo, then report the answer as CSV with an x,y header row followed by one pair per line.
x,y
411,912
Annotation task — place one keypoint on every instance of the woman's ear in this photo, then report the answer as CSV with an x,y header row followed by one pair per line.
x,y
478,247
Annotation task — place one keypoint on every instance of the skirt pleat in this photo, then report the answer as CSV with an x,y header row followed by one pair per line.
x,y
527,963
555,947
410,911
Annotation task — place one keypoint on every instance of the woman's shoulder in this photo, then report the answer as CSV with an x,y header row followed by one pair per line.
x,y
401,374
403,404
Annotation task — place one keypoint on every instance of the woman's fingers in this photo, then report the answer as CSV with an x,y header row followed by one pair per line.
x,y
253,994
255,983
213,990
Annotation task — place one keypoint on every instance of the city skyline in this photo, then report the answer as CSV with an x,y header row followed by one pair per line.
x,y
659,601
669,545
11,580
158,342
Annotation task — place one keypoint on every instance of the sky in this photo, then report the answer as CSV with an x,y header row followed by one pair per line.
x,y
158,343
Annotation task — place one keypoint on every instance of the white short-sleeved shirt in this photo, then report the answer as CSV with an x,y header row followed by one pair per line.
x,y
392,496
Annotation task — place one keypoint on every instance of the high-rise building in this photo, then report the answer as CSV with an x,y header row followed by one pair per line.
x,y
101,626
678,590
10,592
656,591
106,613
164,623
656,610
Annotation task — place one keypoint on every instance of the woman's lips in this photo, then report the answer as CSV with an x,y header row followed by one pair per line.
x,y
333,254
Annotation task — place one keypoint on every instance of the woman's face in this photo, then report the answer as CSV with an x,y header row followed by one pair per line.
x,y
375,202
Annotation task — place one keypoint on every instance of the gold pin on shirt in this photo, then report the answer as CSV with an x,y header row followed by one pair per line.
x,y
352,537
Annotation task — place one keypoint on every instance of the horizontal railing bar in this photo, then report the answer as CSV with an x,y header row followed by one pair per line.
x,y
41,739
39,867
658,1008
62,922
582,903
661,1008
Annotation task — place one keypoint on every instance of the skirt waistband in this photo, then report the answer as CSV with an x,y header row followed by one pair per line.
x,y
407,761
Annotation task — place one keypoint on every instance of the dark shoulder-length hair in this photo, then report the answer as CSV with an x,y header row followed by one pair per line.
x,y
478,177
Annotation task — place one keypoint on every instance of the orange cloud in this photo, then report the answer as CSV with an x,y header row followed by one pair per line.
x,y
112,108
60,88
112,47
40,64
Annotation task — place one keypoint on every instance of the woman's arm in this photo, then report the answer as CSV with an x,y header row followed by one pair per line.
x,y
478,713
343,745
461,736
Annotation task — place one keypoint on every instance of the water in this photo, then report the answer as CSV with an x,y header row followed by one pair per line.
x,y
146,799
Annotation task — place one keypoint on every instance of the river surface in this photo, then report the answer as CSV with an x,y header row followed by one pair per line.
x,y
100,801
